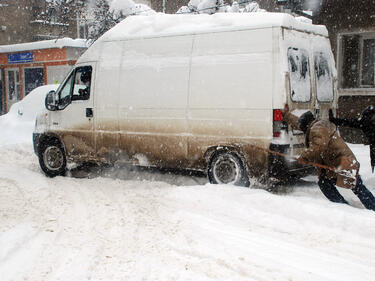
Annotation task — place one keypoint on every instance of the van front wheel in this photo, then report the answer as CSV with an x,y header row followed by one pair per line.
x,y
226,167
52,158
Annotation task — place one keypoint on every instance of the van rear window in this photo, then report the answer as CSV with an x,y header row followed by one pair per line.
x,y
323,75
300,78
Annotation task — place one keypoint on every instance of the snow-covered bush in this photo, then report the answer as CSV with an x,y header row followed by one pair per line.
x,y
107,13
128,7
218,6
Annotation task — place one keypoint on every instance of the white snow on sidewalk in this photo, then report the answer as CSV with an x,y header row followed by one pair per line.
x,y
137,225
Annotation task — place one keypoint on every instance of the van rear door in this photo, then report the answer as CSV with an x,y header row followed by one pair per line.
x,y
324,76
310,79
300,93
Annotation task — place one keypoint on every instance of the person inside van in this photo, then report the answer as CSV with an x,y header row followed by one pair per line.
x,y
366,123
85,79
324,146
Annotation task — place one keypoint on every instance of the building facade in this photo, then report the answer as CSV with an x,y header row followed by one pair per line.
x,y
351,26
33,20
23,67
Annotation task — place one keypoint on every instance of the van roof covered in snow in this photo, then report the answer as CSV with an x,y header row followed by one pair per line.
x,y
164,25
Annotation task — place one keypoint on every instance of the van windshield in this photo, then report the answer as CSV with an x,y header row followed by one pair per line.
x,y
300,78
323,75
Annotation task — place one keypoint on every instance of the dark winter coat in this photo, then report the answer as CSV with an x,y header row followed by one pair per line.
x,y
366,123
323,144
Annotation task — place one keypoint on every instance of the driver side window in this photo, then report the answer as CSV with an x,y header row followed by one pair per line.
x,y
82,83
76,87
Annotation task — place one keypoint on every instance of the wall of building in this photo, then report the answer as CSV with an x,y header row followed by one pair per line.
x,y
19,23
351,26
44,66
345,16
15,17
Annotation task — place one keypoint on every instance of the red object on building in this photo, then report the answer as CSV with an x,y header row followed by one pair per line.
x,y
23,67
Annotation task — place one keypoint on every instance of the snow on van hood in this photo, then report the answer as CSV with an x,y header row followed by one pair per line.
x,y
162,25
18,124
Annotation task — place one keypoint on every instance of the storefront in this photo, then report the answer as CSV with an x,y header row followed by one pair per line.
x,y
23,67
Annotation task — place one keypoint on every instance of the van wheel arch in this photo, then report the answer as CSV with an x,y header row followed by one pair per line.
x,y
52,156
232,160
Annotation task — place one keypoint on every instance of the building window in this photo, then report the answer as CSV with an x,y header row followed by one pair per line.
x,y
1,93
33,78
358,60
13,85
52,15
368,63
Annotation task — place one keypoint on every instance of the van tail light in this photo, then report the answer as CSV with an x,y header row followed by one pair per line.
x,y
277,115
277,123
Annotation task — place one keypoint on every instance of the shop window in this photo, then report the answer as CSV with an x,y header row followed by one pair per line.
x,y
13,85
34,77
358,61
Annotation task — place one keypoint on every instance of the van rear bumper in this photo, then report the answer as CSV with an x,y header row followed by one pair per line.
x,y
282,168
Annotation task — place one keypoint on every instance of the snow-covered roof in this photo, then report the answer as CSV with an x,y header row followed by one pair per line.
x,y
46,44
162,25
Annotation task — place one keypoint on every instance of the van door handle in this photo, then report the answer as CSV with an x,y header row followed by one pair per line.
x,y
89,112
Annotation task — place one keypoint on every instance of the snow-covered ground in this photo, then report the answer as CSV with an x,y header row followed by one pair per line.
x,y
130,224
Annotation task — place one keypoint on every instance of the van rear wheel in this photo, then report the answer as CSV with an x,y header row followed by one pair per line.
x,y
52,158
226,167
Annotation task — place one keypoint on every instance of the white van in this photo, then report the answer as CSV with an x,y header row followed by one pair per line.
x,y
200,92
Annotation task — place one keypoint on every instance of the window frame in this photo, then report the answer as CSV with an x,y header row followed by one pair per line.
x,y
24,76
59,90
72,75
17,84
361,58
363,35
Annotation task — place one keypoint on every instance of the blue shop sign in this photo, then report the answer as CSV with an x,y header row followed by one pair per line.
x,y
21,57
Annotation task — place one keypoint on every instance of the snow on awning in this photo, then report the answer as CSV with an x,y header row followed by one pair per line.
x,y
46,44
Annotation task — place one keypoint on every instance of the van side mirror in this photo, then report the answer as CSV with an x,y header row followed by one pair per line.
x,y
51,101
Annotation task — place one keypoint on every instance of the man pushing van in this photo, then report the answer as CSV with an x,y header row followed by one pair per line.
x,y
324,146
